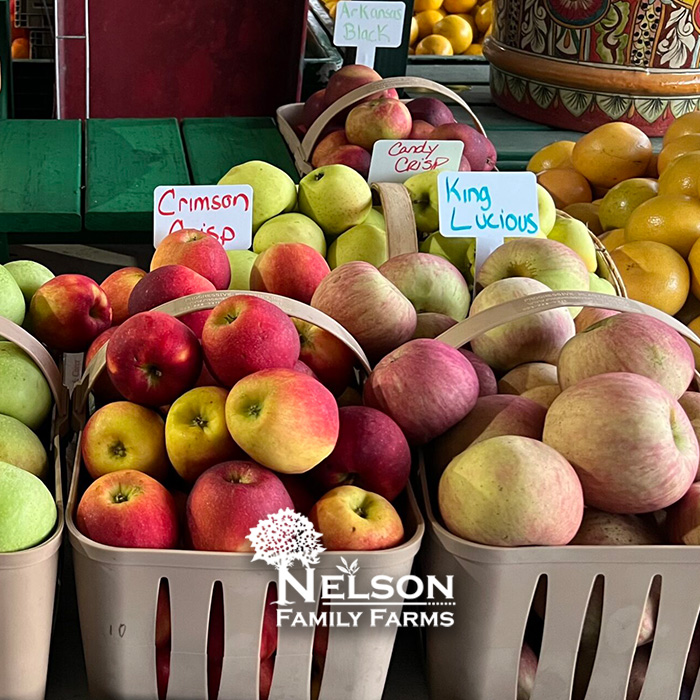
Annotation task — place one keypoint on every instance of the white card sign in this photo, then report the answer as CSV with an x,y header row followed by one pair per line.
x,y
396,161
222,211
488,207
368,26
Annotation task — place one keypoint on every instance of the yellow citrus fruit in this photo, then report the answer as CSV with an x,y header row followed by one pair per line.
x,y
489,31
472,23
623,199
457,31
474,50
694,262
457,6
678,147
653,167
565,186
654,274
612,153
434,45
555,155
673,219
332,10
613,239
687,124
414,31
426,21
681,176
484,16
588,213
422,5
694,326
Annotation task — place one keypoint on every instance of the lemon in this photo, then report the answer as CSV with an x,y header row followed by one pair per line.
x,y
434,45
422,5
484,16
687,124
414,31
457,6
474,50
623,199
681,176
694,262
555,155
457,31
678,147
426,21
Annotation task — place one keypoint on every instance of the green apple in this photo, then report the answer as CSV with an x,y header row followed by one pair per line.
x,y
575,235
21,447
598,284
274,192
547,209
376,218
29,276
454,250
12,304
241,262
24,391
362,242
290,228
335,197
27,509
423,189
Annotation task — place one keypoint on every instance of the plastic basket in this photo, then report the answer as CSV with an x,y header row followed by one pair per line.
x,y
28,578
477,659
117,593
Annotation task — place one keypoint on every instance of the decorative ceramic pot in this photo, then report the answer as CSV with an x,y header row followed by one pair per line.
x,y
577,64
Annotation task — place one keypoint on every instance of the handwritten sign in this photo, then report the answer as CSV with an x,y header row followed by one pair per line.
x,y
368,26
222,211
488,207
396,161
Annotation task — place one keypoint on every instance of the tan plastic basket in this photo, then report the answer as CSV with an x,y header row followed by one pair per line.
x,y
28,578
117,592
477,659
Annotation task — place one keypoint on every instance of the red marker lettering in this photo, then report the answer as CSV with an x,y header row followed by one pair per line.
x,y
170,192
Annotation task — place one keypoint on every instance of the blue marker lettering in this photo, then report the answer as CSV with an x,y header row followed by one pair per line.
x,y
452,189
454,226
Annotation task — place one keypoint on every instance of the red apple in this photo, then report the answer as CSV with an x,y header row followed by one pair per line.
x,y
421,130
476,147
350,77
228,500
382,118
302,367
68,312
162,672
196,250
167,283
371,453
491,155
163,626
102,388
487,379
118,288
268,638
245,334
430,110
430,324
313,107
267,668
326,146
354,157
153,358
128,509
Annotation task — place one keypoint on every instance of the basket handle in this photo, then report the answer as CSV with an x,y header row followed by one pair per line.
x,y
208,300
398,214
358,94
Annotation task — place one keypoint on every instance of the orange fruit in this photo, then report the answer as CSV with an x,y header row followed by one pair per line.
x,y
613,239
472,23
457,31
653,273
414,31
484,16
623,199
678,147
434,45
694,262
682,176
20,48
672,219
565,186
426,21
588,213
457,6
687,124
474,50
612,153
555,155
422,5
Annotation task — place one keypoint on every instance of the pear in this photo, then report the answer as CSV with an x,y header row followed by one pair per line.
x,y
575,235
600,285
12,304
376,218
241,262
423,189
335,197
29,276
274,192
290,228
547,209
362,242
21,447
453,250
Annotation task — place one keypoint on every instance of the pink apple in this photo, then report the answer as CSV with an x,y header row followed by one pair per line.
x,y
103,389
196,250
68,312
590,315
383,118
464,165
528,376
118,288
244,334
430,324
228,500
543,395
690,401
475,144
430,110
485,375
128,509
371,453
421,130
350,77
425,386
153,358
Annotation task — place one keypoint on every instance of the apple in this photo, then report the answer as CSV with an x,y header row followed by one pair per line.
x,y
430,324
162,672
167,283
371,453
536,338
244,334
335,197
590,315
241,263
430,110
492,416
511,491
268,638
425,386
12,304
69,312
163,625
421,130
267,669
328,357
128,509
350,518
20,447
547,210
543,395
326,146
629,342
629,440
302,367
118,287
683,521
605,529
487,379
29,275
153,358
383,118
527,671
285,420
27,509
314,106
362,242
430,283
289,228
455,250
123,435
368,305
24,391
574,234
301,489
528,376
291,270
690,401
423,190
354,157
103,389
475,144
349,78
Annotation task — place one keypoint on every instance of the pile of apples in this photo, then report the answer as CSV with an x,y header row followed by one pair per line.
x,y
349,139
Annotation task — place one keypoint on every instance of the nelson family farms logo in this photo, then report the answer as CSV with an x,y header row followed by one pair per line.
x,y
381,600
